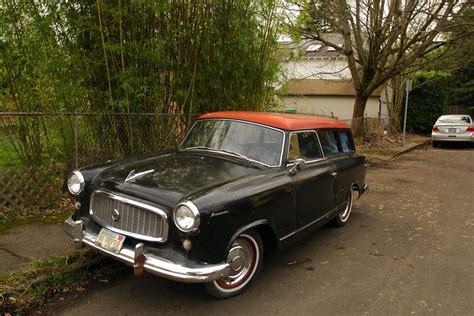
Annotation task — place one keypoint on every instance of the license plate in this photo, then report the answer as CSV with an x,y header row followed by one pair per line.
x,y
110,241
452,130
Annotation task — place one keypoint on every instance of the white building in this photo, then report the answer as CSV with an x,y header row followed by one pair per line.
x,y
317,80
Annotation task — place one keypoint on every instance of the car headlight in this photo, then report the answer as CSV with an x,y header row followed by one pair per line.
x,y
76,183
186,217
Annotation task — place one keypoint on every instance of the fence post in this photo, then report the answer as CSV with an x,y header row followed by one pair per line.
x,y
76,162
408,89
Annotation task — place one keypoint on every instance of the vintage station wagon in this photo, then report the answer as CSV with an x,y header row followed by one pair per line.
x,y
239,184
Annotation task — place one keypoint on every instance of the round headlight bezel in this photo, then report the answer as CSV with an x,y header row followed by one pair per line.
x,y
195,213
81,182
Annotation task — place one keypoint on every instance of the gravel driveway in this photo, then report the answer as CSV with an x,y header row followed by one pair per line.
x,y
408,249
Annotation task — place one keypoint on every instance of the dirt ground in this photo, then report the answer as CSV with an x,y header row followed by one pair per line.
x,y
408,249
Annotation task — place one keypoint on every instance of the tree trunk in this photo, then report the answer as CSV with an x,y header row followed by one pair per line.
x,y
396,106
358,115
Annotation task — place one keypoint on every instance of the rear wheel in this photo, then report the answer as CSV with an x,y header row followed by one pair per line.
x,y
435,144
343,217
245,259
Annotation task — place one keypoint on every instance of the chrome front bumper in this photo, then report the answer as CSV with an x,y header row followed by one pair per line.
x,y
140,260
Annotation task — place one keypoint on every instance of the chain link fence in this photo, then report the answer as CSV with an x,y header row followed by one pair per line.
x,y
372,127
38,150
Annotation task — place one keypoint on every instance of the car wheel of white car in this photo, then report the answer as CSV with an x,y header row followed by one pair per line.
x,y
245,259
343,217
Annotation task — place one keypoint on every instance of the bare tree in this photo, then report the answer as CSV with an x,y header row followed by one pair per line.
x,y
394,94
381,38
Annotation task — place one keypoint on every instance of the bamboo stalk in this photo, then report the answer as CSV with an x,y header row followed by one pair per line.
x,y
109,81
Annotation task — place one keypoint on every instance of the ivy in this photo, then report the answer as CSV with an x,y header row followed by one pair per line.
x,y
428,100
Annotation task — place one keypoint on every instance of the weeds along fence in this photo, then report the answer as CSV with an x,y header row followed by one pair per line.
x,y
38,150
372,127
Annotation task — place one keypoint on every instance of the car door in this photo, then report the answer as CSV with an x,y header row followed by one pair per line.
x,y
314,186
345,163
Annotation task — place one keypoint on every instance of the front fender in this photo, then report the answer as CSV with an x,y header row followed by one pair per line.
x,y
231,209
256,224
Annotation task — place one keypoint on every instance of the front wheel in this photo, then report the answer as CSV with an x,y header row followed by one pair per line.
x,y
245,259
343,217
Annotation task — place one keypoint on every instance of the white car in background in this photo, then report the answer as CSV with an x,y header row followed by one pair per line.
x,y
453,128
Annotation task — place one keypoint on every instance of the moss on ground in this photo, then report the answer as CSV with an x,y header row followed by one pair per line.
x,y
45,280
46,219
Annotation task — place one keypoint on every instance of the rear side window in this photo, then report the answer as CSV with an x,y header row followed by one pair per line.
x,y
304,145
346,141
329,142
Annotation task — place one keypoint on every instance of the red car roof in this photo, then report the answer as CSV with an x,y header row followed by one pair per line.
x,y
280,120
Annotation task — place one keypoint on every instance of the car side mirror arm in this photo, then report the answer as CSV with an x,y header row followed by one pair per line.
x,y
299,164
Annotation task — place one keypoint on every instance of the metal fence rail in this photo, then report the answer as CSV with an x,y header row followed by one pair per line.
x,y
38,150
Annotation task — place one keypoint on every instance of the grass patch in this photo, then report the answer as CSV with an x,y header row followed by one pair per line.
x,y
8,155
44,280
10,218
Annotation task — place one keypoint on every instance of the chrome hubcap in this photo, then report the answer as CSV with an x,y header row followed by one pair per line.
x,y
242,260
236,263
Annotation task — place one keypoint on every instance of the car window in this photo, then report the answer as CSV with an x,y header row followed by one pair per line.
x,y
304,145
346,141
455,119
328,142
255,142
466,119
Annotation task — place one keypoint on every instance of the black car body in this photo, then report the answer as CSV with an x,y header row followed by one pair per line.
x,y
240,182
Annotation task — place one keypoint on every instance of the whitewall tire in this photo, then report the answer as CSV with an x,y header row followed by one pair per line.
x,y
343,217
245,259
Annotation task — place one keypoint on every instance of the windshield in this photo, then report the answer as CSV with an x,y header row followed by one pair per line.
x,y
245,140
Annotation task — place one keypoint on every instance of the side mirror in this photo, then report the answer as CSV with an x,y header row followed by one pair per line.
x,y
299,164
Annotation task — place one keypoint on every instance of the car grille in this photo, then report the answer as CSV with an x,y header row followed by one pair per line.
x,y
129,217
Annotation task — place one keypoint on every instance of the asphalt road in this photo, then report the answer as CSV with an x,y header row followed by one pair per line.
x,y
408,249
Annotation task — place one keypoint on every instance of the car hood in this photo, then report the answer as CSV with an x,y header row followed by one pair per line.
x,y
167,179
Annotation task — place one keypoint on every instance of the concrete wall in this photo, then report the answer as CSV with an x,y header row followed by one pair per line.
x,y
331,69
316,68
340,106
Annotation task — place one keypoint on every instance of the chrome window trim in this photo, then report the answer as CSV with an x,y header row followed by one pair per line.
x,y
153,209
246,122
319,144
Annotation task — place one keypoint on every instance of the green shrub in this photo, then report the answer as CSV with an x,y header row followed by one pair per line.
x,y
428,100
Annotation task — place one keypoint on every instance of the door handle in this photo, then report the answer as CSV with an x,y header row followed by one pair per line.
x,y
334,174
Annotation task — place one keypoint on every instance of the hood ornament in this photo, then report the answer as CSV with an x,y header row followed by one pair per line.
x,y
132,175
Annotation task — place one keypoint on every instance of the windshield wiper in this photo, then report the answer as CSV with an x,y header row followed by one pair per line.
x,y
233,153
198,148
